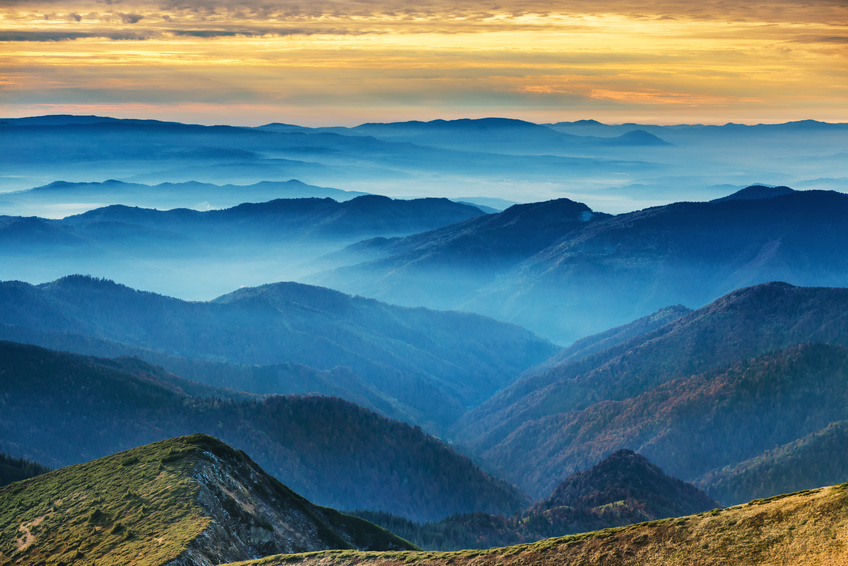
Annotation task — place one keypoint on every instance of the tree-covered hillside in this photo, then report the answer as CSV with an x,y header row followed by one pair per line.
x,y
17,469
62,409
736,328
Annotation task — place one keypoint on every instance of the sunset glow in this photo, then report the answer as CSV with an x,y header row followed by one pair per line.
x,y
349,62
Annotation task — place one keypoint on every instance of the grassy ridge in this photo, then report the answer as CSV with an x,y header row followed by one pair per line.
x,y
804,528
133,507
193,499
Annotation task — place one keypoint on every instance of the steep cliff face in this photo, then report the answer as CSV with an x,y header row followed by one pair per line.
x,y
254,515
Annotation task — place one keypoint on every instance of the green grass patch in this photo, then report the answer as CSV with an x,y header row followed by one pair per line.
x,y
133,507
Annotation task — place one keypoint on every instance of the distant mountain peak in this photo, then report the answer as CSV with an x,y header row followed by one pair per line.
x,y
562,207
77,285
79,280
757,192
289,291
640,137
626,475
68,185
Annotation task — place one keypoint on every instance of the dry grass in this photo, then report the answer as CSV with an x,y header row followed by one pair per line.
x,y
136,507
808,528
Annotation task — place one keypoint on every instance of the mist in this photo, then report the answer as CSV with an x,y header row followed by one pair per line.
x,y
611,168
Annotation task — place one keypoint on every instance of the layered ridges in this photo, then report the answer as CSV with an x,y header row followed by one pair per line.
x,y
62,409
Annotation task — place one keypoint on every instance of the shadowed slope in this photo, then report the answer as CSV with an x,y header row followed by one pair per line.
x,y
63,409
739,326
760,368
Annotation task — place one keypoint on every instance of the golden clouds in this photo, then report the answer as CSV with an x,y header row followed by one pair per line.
x,y
262,17
716,61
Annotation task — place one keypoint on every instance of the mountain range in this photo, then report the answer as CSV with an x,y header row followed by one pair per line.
x,y
61,198
148,151
402,358
557,267
677,387
498,135
199,254
580,361
566,272
611,167
194,500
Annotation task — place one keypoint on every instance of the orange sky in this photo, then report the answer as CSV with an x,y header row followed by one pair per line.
x,y
343,62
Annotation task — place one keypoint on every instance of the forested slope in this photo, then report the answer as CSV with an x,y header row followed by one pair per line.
x,y
63,409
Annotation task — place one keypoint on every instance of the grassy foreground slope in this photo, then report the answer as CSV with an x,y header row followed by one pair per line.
x,y
185,501
801,529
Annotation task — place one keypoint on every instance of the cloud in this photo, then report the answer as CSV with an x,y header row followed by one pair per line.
x,y
821,39
40,36
253,32
780,11
131,18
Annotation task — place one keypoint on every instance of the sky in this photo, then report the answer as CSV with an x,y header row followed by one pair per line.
x,y
345,62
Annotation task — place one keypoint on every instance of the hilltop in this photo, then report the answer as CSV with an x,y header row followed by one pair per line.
x,y
185,501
